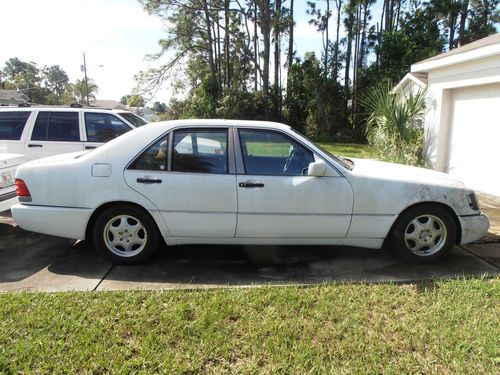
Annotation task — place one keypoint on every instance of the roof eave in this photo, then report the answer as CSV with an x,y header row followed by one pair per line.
x,y
426,66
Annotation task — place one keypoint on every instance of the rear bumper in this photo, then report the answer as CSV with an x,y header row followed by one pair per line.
x,y
7,198
55,221
473,227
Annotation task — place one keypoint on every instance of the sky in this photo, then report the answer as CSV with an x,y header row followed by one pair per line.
x,y
115,35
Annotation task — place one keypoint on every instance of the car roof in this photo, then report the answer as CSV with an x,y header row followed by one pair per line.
x,y
219,122
58,109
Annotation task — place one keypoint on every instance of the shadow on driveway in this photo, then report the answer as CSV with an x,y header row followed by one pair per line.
x,y
31,261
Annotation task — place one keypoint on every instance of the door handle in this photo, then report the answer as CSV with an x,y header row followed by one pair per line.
x,y
249,184
149,180
90,147
32,145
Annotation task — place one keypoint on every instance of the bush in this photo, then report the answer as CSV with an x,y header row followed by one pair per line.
x,y
395,124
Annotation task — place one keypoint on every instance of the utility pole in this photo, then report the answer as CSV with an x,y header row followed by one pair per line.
x,y
86,81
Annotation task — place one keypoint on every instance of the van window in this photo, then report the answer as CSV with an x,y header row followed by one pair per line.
x,y
103,127
56,126
12,124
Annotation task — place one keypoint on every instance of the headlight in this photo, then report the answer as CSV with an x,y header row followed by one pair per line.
x,y
472,201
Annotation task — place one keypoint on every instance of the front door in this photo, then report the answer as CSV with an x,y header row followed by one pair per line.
x,y
276,198
187,176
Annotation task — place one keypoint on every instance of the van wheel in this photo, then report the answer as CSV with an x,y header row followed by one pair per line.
x,y
126,235
424,234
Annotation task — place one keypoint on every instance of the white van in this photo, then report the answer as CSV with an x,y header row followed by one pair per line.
x,y
44,131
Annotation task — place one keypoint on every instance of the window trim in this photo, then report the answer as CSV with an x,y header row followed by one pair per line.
x,y
317,154
84,127
30,138
241,162
200,129
170,138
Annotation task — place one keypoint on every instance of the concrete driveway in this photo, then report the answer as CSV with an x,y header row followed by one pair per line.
x,y
31,261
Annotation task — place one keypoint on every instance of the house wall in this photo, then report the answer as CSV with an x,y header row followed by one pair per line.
x,y
438,119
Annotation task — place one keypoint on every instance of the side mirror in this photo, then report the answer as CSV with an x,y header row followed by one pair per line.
x,y
317,169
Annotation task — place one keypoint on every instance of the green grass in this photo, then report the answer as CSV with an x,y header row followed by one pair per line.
x,y
446,327
352,150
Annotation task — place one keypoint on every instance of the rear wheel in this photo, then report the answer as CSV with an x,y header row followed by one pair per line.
x,y
424,234
126,235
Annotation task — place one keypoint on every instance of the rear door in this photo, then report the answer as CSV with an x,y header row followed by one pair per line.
x,y
101,128
53,133
276,197
192,181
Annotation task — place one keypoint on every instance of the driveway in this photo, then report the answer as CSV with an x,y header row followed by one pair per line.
x,y
31,261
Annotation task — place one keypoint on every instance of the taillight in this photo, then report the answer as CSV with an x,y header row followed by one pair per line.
x,y
22,191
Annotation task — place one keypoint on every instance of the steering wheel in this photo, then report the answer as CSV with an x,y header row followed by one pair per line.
x,y
289,161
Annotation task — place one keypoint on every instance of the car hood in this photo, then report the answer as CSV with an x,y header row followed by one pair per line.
x,y
403,173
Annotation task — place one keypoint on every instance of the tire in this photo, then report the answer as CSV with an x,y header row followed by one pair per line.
x,y
126,235
424,234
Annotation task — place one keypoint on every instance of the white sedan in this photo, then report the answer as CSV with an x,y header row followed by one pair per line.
x,y
240,182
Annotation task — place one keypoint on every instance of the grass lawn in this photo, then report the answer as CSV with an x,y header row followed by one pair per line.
x,y
352,150
446,327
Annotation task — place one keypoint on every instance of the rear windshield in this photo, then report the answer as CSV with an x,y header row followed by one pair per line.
x,y
12,124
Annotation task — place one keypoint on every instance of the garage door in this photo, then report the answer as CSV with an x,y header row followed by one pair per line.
x,y
475,137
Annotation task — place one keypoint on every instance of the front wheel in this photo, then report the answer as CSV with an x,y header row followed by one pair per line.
x,y
125,235
424,234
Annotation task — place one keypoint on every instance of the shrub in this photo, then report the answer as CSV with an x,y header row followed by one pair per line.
x,y
395,124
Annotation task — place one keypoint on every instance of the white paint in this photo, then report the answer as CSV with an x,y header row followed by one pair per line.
x,y
346,207
8,166
474,152
36,149
462,112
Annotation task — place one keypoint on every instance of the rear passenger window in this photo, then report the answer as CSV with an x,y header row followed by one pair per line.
x,y
154,158
12,124
56,126
103,127
201,151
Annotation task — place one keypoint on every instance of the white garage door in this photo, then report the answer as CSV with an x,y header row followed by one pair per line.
x,y
475,137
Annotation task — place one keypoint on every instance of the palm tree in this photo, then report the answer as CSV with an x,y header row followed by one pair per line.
x,y
395,123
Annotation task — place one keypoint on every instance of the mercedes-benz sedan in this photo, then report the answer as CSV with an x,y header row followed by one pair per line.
x,y
240,182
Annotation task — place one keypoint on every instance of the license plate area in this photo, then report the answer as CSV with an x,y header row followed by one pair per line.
x,y
6,179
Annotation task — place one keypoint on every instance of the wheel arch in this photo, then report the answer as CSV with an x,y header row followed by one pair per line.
x,y
425,203
105,206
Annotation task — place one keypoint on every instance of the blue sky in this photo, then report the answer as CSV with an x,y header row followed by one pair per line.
x,y
115,34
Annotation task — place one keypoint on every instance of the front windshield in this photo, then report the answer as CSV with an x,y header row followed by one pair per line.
x,y
134,119
346,163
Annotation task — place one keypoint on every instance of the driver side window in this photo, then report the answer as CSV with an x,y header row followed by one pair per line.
x,y
267,152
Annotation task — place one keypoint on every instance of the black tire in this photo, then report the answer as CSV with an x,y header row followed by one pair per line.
x,y
417,240
139,240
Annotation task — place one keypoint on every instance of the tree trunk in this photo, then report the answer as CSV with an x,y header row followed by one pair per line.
x,y
349,26
277,52
209,41
255,45
226,44
266,33
290,39
327,38
451,41
218,62
337,37
463,17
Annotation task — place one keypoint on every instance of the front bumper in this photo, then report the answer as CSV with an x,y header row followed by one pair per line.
x,y
56,221
473,227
